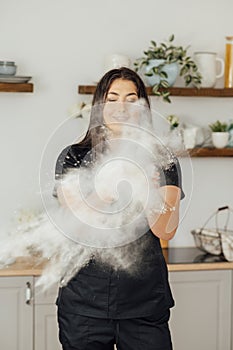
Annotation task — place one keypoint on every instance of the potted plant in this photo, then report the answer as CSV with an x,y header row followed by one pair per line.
x,y
220,134
161,64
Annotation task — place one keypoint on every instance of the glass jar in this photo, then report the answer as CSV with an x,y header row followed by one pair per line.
x,y
229,62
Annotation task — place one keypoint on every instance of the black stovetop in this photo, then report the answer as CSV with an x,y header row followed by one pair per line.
x,y
190,256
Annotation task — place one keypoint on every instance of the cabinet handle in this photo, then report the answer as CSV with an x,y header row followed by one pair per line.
x,y
28,293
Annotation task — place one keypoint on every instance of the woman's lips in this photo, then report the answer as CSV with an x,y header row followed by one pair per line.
x,y
121,117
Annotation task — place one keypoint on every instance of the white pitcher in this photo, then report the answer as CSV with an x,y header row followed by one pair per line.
x,y
116,61
207,66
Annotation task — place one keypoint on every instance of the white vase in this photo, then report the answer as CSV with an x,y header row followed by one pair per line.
x,y
115,60
189,137
220,139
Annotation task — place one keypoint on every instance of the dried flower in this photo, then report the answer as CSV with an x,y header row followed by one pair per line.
x,y
80,110
173,121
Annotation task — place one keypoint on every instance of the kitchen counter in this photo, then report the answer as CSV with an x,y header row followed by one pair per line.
x,y
178,259
193,259
23,266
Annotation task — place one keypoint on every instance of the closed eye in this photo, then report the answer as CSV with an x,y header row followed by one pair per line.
x,y
132,100
111,100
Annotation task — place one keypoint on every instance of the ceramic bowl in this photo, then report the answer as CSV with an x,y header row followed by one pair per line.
x,y
7,67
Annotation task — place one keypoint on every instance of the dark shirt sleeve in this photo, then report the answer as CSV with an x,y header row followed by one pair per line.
x,y
61,167
66,160
73,156
172,176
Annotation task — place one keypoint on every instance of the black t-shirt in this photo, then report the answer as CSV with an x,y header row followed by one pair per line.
x,y
98,290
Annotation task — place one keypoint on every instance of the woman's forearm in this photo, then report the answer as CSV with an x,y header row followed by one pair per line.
x,y
164,225
73,200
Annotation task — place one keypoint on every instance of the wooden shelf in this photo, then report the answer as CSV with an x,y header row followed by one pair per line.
x,y
202,92
211,152
192,92
86,89
175,91
16,87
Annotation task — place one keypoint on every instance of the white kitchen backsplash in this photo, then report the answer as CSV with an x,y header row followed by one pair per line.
x,y
70,50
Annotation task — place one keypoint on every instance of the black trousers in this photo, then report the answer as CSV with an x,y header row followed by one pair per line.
x,y
78,332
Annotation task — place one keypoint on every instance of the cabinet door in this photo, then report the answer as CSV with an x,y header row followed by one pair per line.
x,y
201,318
46,327
16,316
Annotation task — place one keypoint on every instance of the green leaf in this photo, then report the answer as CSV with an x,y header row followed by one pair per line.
x,y
188,79
187,65
183,70
164,84
166,98
195,69
155,70
163,74
156,93
155,90
171,38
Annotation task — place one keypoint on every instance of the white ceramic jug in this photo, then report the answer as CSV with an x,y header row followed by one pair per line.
x,y
189,137
116,61
207,66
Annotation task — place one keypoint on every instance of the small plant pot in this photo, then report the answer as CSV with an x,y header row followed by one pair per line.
x,y
220,139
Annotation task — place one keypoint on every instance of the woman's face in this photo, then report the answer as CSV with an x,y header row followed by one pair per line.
x,y
118,105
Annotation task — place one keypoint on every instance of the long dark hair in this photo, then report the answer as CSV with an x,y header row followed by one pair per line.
x,y
95,134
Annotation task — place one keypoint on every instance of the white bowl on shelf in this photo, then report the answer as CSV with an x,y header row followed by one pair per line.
x,y
7,67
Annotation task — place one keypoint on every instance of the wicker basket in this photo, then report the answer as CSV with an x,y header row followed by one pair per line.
x,y
215,241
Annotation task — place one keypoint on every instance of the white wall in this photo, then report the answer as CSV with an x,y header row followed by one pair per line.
x,y
63,44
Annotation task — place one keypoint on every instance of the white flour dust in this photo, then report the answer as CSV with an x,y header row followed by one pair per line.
x,y
101,211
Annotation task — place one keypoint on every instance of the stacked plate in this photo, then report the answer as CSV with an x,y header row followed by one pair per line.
x,y
13,79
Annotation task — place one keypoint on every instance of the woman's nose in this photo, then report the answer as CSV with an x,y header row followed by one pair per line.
x,y
121,107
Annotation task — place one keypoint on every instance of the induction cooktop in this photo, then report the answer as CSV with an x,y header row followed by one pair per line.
x,y
190,256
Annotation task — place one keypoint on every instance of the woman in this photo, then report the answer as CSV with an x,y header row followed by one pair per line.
x,y
100,306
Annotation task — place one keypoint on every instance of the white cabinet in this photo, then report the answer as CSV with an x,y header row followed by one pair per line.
x,y
16,316
28,320
201,318
46,328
